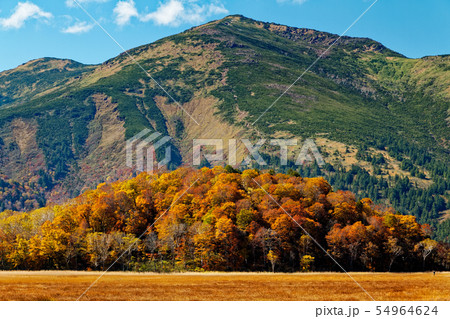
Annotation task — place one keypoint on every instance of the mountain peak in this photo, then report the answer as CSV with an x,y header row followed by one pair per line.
x,y
321,40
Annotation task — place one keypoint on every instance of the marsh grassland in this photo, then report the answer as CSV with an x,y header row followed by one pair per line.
x,y
52,285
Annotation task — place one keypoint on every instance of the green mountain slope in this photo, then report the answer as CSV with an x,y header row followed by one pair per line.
x,y
25,82
381,120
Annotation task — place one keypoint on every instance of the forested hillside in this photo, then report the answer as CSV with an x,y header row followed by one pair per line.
x,y
381,120
218,219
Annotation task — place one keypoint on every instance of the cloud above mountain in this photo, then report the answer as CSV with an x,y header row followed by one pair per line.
x,y
124,11
24,11
78,28
169,13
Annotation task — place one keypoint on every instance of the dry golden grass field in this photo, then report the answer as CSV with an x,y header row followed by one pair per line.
x,y
52,285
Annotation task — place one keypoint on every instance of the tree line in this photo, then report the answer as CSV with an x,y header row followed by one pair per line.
x,y
218,219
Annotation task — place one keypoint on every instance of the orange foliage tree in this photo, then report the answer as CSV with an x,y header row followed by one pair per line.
x,y
217,219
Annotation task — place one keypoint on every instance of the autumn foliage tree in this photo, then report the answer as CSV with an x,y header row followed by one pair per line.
x,y
217,219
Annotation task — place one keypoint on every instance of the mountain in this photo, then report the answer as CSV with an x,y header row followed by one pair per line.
x,y
381,120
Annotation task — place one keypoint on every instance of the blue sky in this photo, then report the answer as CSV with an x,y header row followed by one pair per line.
x,y
59,28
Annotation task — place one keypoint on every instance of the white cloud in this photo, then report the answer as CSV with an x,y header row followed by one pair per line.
x,y
217,9
72,3
78,28
23,12
167,13
292,1
175,12
124,11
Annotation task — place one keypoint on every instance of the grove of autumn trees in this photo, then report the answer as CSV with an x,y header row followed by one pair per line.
x,y
218,219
